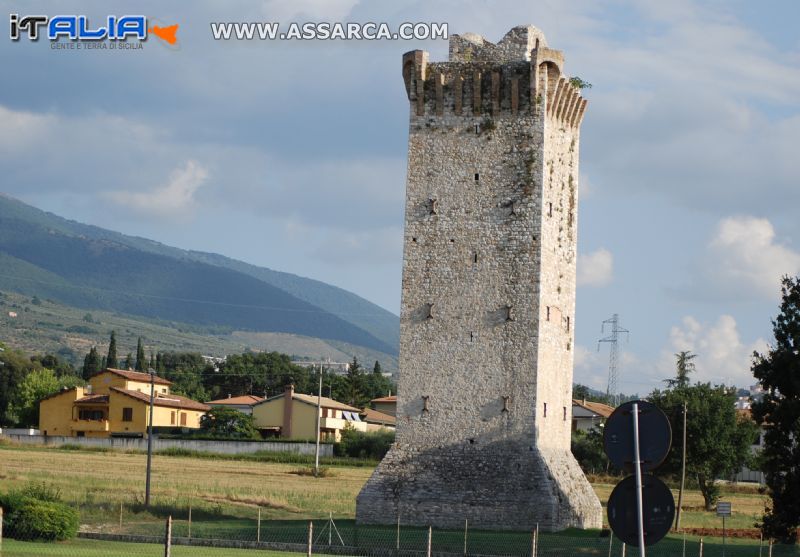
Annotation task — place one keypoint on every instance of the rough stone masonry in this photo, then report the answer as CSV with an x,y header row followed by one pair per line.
x,y
488,295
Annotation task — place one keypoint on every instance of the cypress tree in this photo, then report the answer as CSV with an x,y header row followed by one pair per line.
x,y
111,358
141,359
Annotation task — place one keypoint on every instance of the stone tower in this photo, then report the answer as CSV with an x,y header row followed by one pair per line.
x,y
488,295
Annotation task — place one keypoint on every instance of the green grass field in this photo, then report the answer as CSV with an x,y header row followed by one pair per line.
x,y
92,548
226,497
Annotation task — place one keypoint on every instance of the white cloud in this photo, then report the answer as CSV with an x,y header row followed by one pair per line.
x,y
722,356
596,268
22,130
745,260
177,196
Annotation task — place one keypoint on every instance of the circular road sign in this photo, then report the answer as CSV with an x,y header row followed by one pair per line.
x,y
655,436
658,510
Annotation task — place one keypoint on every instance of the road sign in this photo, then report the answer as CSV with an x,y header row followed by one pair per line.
x,y
724,508
655,436
658,510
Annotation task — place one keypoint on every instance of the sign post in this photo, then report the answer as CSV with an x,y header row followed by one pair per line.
x,y
724,509
641,509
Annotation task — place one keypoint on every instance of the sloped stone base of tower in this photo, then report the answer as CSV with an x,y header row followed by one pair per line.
x,y
503,485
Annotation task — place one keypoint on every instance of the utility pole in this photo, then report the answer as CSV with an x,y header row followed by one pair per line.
x,y
319,418
612,391
683,472
149,439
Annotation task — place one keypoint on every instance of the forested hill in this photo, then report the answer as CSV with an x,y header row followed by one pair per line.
x,y
90,267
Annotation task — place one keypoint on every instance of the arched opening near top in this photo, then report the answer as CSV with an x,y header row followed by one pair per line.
x,y
553,74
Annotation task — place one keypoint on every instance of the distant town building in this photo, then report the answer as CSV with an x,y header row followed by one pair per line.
x,y
587,414
293,415
377,420
116,404
243,404
337,368
385,404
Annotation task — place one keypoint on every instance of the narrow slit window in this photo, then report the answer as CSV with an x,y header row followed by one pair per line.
x,y
475,257
477,177
548,313
549,209
565,413
477,128
567,323
545,409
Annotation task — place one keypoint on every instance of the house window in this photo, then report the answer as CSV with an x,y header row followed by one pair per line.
x,y
565,413
324,412
172,418
545,409
127,414
183,418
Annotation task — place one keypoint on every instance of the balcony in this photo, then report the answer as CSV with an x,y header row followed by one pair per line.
x,y
89,425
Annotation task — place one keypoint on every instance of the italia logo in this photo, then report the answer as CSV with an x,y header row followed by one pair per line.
x,y
78,28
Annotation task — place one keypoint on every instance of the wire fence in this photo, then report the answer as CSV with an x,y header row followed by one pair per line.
x,y
195,535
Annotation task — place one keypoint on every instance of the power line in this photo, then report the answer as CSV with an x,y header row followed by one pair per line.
x,y
612,390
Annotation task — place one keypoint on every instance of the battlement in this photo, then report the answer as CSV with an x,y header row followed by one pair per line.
x,y
518,75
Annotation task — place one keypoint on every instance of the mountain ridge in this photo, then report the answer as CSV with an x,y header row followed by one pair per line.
x,y
144,277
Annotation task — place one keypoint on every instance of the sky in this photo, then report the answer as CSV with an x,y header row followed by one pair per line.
x,y
292,154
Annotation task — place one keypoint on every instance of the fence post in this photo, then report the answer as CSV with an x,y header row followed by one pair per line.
x,y
610,541
770,548
168,538
120,515
701,547
430,540
310,536
397,542
533,543
258,527
466,528
190,520
1,529
624,546
760,543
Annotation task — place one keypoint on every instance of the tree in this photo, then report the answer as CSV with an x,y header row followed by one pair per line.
x,y
91,364
37,385
717,439
684,366
354,383
111,358
377,368
587,447
778,412
128,363
141,359
228,423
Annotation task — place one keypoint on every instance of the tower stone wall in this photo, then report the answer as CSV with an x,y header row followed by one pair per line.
x,y
488,295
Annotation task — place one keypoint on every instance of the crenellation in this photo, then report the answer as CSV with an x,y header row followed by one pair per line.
x,y
488,294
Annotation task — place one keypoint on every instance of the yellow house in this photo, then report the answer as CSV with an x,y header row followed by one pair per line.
x,y
117,403
294,416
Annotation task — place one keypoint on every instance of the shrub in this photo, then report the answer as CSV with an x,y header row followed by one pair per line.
x,y
42,520
36,512
358,444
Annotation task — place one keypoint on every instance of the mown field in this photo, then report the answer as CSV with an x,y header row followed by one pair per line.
x,y
226,496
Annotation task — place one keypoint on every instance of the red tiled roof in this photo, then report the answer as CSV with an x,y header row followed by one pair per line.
x,y
597,407
391,398
135,376
170,401
93,399
250,400
374,417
